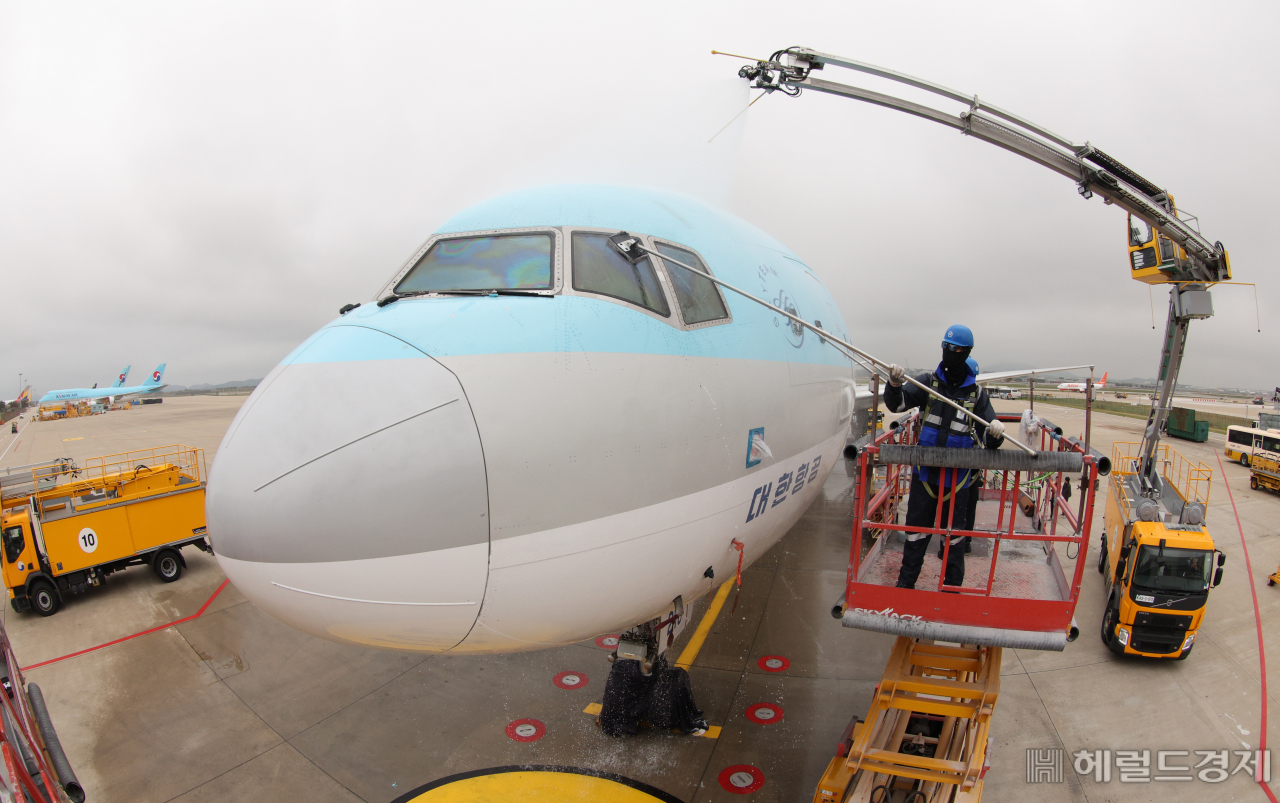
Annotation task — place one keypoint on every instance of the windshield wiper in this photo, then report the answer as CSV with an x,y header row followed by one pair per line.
x,y
502,291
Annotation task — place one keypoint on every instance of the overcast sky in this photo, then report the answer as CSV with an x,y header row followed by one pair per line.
x,y
204,184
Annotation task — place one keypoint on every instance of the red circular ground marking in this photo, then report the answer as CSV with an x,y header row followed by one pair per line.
x,y
764,713
609,642
741,779
526,730
570,680
773,663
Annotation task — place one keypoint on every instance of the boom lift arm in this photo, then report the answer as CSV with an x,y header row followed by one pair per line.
x,y
1176,253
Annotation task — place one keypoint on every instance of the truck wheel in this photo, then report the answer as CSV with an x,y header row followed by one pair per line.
x,y
1244,460
166,565
43,597
1102,557
1109,619
1253,483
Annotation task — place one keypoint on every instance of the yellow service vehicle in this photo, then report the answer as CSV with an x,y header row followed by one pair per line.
x,y
1264,472
1158,559
64,528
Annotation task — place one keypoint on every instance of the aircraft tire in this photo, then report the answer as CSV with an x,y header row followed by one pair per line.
x,y
167,565
44,598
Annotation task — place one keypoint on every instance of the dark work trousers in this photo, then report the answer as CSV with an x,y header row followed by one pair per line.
x,y
922,507
971,514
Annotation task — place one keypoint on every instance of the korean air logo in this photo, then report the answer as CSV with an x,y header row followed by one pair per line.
x,y
950,333
121,377
155,375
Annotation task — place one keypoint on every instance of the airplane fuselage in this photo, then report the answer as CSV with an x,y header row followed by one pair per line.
x,y
495,473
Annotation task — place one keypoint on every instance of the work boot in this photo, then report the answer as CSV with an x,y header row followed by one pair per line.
x,y
901,584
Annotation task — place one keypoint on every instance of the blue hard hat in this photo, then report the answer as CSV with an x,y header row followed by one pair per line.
x,y
959,335
973,365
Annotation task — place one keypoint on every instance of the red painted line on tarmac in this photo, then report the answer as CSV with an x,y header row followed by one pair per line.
x,y
1257,618
195,615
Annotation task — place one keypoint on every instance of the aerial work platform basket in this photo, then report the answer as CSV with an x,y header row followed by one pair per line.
x,y
1016,592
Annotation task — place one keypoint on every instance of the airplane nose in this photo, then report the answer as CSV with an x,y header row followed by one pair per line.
x,y
348,499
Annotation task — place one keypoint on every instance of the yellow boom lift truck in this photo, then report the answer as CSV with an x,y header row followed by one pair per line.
x,y
925,737
64,528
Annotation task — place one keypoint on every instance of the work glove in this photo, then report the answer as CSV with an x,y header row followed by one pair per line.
x,y
995,429
897,375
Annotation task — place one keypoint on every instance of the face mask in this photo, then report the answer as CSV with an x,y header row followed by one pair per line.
x,y
953,365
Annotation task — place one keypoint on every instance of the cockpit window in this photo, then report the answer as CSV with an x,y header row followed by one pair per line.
x,y
597,268
698,298
492,262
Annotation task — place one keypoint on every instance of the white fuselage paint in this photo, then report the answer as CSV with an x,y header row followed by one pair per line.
x,y
534,471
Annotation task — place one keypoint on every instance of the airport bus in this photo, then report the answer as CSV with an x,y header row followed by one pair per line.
x,y
1244,442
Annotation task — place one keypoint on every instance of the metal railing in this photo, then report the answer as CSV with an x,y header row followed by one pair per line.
x,y
1192,481
34,765
98,472
976,614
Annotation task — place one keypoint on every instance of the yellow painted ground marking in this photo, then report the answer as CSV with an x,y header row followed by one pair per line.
x,y
704,627
593,709
532,786
64,440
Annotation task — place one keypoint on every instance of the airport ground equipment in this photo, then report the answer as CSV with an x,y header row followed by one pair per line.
x,y
33,765
1274,577
1264,472
1182,423
1165,247
67,527
926,733
1158,559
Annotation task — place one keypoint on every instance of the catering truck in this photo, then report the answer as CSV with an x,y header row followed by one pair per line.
x,y
64,528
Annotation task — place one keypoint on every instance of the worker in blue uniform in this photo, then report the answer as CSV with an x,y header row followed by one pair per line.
x,y
975,492
943,426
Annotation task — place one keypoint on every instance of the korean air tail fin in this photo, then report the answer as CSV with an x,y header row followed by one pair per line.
x,y
155,377
120,379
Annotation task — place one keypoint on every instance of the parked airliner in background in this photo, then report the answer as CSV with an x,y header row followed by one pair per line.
x,y
561,443
24,396
116,391
1079,387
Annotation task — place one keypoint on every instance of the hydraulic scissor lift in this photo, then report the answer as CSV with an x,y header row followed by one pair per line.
x,y
924,737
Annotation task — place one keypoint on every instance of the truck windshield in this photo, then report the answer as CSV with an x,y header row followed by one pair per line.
x,y
495,262
1181,570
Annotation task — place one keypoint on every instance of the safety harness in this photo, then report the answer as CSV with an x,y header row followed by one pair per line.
x,y
940,418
